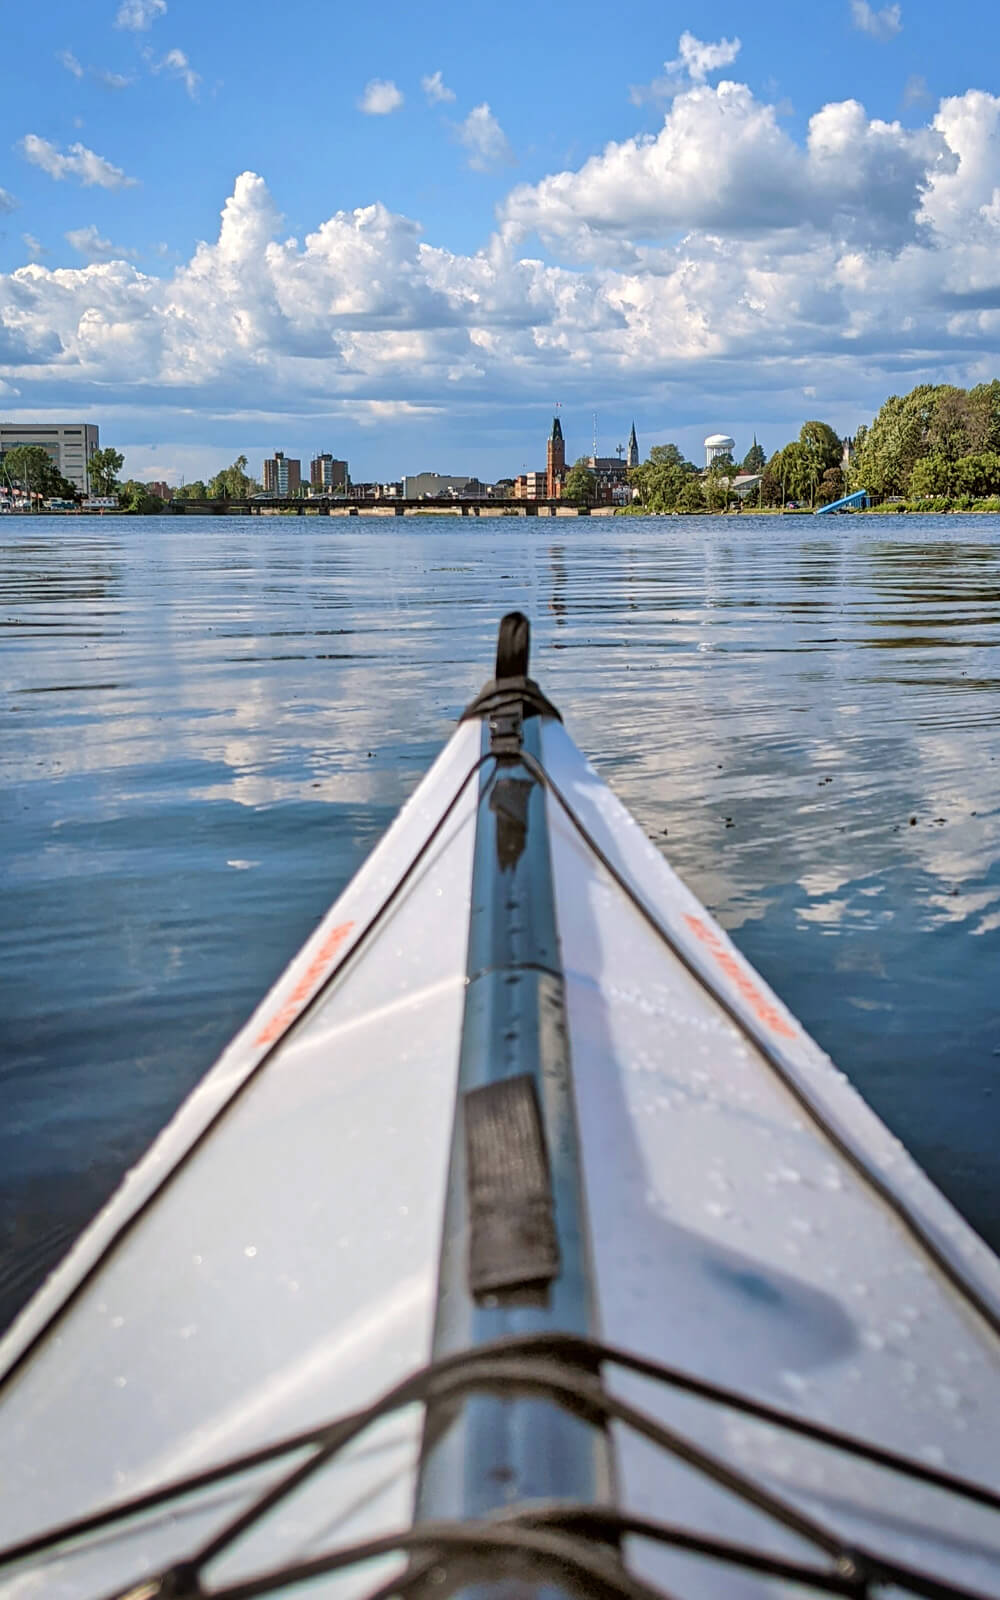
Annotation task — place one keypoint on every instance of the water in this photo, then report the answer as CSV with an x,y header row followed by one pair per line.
x,y
207,725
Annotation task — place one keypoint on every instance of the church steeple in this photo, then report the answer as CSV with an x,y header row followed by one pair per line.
x,y
633,448
555,461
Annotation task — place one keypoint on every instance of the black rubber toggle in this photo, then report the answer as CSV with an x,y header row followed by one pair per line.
x,y
511,696
513,645
512,1231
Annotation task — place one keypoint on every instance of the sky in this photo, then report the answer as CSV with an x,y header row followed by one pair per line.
x,y
406,235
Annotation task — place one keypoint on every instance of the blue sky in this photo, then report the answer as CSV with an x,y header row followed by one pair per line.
x,y
439,221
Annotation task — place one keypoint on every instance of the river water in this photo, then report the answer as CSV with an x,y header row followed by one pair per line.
x,y
208,723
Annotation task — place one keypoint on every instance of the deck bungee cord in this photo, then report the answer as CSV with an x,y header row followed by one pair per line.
x,y
561,1367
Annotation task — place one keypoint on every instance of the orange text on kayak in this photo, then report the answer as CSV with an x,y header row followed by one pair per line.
x,y
306,985
760,1005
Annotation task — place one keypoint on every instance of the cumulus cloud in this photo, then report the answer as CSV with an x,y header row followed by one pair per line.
x,y
139,15
723,255
111,80
721,161
79,162
7,201
484,139
88,242
436,89
67,59
884,24
381,96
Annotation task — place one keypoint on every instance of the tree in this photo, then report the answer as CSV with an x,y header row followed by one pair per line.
x,y
135,498
660,479
103,469
194,491
580,485
32,468
831,486
233,483
755,460
718,481
691,497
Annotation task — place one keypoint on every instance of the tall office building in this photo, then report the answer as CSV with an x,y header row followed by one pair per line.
x,y
70,445
282,474
327,473
555,461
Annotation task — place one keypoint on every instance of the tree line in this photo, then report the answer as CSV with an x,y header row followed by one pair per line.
x,y
936,448
30,468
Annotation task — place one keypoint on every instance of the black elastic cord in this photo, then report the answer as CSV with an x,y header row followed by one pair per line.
x,y
507,1364
953,1271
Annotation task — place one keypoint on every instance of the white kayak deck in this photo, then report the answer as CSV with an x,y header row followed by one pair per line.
x,y
287,1271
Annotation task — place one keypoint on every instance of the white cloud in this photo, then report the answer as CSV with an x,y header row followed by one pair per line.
x,y
694,62
380,97
884,24
111,80
7,201
177,63
724,257
436,89
91,169
34,246
721,161
87,242
139,15
698,59
484,139
67,59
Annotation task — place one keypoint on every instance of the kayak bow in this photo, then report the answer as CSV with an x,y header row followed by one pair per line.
x,y
521,1244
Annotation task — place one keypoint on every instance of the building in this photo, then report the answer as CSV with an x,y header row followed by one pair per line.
x,y
441,486
555,463
610,479
161,489
535,485
69,444
632,459
282,474
718,444
327,475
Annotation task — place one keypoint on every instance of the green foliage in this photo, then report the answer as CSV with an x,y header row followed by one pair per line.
x,y
755,460
830,487
580,486
661,478
233,483
135,498
691,497
919,442
194,491
31,468
103,469
717,482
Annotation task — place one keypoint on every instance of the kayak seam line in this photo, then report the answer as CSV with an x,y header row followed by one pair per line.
x,y
952,1270
220,1112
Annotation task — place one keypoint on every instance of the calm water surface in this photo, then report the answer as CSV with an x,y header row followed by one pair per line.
x,y
207,725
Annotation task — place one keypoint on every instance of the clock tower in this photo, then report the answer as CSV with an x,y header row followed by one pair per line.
x,y
555,461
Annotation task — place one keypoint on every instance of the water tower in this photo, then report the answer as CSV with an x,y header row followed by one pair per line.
x,y
718,444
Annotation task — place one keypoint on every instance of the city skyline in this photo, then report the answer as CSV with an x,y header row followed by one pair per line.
x,y
790,217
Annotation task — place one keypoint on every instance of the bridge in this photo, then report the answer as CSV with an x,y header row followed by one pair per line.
x,y
860,500
337,506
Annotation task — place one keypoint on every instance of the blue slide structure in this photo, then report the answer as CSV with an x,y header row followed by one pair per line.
x,y
860,500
